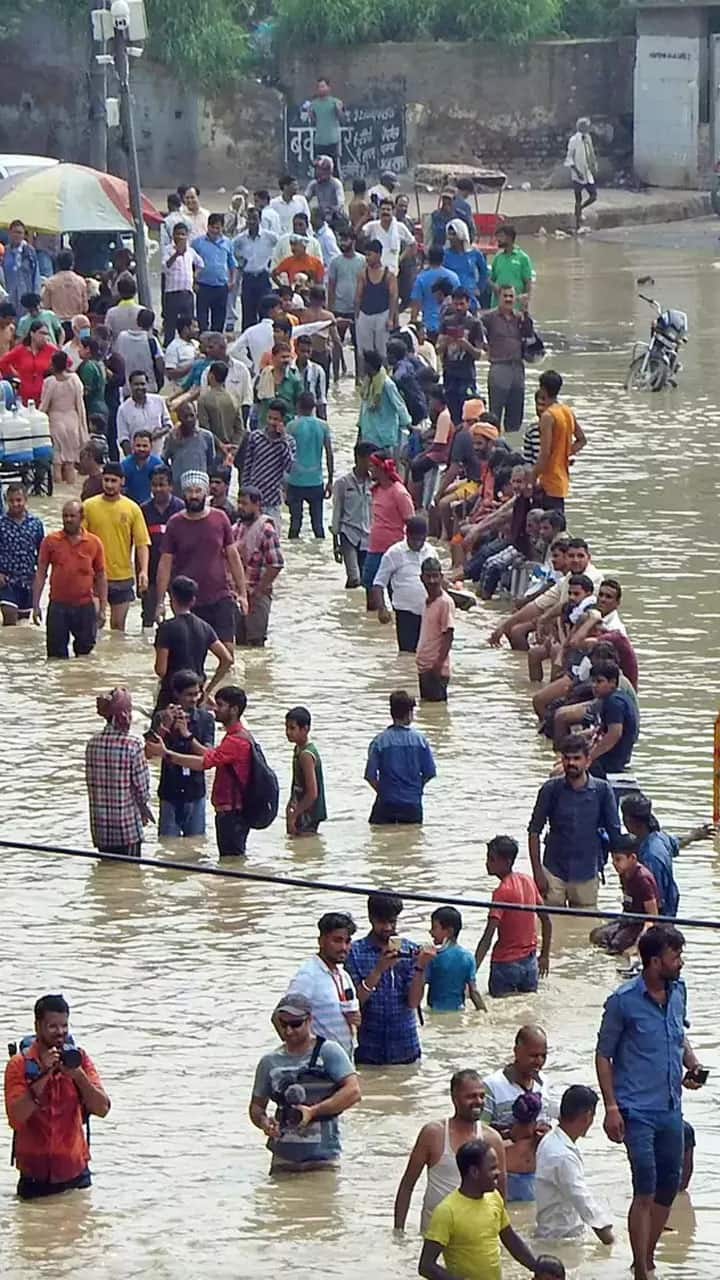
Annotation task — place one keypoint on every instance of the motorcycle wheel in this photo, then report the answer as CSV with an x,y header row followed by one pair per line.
x,y
638,377
657,374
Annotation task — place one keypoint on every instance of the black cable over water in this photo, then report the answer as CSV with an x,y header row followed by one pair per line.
x,y
296,882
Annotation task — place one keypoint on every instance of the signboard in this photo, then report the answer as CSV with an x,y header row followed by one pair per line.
x,y
372,141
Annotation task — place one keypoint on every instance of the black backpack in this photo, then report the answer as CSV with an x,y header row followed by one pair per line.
x,y
262,794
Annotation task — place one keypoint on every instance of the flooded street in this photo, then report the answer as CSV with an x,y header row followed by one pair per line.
x,y
171,977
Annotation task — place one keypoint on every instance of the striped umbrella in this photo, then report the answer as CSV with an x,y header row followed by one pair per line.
x,y
70,197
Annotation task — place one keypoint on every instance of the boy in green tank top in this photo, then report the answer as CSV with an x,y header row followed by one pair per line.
x,y
306,806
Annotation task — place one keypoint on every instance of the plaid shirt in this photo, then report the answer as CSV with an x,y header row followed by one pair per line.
x,y
118,786
389,1029
259,549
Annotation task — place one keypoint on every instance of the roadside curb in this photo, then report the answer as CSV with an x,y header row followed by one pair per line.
x,y
602,216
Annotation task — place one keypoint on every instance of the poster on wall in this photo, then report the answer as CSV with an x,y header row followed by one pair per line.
x,y
372,140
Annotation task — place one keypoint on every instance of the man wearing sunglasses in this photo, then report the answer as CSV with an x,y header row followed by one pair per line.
x,y
311,1081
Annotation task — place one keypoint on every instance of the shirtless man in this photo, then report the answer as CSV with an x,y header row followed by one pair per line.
x,y
436,1146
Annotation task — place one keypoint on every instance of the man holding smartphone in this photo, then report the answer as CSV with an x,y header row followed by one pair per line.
x,y
642,1049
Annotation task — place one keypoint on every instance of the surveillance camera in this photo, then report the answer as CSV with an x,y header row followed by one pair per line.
x,y
120,14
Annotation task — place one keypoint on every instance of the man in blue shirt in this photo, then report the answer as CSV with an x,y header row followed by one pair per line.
x,y
216,277
139,466
381,966
20,536
422,298
656,849
618,721
399,764
641,1051
19,267
577,808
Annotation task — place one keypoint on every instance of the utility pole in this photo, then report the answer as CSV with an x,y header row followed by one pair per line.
x,y
97,93
120,44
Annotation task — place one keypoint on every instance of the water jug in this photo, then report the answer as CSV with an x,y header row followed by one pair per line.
x,y
17,437
42,445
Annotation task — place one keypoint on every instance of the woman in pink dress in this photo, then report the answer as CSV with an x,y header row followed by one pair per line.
x,y
62,400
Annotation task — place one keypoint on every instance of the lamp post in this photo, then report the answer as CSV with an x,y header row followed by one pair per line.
x,y
120,13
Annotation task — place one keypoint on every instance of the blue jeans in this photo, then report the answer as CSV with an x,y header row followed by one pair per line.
x,y
513,977
520,1186
370,568
654,1143
186,819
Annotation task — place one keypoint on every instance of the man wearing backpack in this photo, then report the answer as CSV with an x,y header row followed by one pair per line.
x,y
240,772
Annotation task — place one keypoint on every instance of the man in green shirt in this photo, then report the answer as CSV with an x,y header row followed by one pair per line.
x,y
327,114
34,311
511,266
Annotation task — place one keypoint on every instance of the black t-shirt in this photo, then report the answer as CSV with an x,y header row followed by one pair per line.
x,y
457,362
178,785
187,639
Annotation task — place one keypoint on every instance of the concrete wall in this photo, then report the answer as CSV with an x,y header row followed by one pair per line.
x,y
469,102
465,102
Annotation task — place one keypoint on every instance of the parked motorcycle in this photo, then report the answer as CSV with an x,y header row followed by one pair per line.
x,y
656,364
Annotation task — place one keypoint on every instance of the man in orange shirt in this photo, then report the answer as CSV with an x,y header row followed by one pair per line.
x,y
561,437
50,1090
299,260
78,579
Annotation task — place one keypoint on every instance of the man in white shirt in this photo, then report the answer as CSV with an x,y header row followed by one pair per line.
x,y
396,240
565,1205
400,570
326,985
288,203
300,227
254,342
141,409
269,220
181,353
179,264
253,250
193,213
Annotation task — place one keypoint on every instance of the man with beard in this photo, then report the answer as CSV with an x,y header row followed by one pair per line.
x,y
576,808
257,541
199,545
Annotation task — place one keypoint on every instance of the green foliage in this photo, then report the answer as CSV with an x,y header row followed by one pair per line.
x,y
209,41
348,22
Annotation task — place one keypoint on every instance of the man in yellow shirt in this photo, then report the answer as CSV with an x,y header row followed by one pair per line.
x,y
561,438
468,1225
120,525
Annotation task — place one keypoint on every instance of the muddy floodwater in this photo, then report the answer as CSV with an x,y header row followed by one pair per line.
x,y
171,976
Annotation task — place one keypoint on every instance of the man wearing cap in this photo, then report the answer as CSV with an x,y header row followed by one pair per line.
x,y
199,544
326,189
304,1133
327,986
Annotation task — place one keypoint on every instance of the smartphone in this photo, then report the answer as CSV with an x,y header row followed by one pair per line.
x,y
699,1075
394,941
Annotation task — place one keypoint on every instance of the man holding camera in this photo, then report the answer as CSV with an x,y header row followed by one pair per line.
x,y
50,1090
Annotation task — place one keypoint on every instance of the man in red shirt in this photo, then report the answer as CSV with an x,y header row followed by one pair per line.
x,y
231,761
48,1097
641,896
514,965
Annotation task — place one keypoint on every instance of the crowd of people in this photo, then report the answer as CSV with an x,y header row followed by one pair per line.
x,y
189,449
